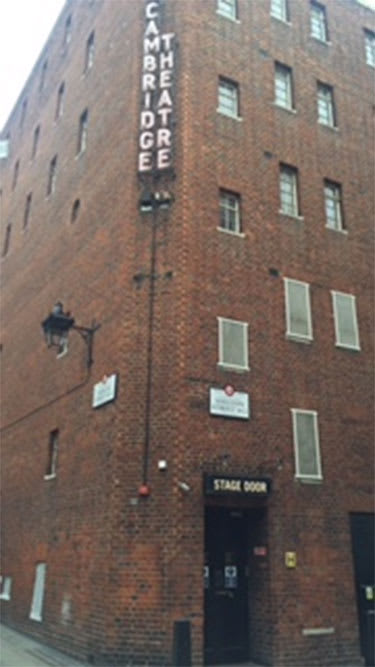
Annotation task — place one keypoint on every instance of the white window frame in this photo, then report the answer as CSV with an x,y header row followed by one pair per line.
x,y
35,146
68,31
6,588
228,90
288,176
228,8
298,473
230,210
370,47
283,86
352,299
318,22
53,452
7,238
36,609
333,203
60,101
326,105
90,51
279,10
51,187
290,334
83,132
221,362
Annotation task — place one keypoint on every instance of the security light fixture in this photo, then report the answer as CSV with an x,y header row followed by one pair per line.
x,y
56,329
151,201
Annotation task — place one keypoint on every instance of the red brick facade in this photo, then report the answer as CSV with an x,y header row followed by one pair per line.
x,y
122,568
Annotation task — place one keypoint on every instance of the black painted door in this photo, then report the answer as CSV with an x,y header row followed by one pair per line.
x,y
362,528
226,586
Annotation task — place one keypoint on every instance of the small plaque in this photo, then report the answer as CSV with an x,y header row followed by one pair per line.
x,y
104,391
229,403
290,559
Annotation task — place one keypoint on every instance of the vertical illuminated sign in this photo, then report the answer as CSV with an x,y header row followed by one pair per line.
x,y
155,125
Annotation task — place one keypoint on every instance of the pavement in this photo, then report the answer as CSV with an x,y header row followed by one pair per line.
x,y
19,650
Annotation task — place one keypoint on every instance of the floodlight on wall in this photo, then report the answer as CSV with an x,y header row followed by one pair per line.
x,y
56,329
151,201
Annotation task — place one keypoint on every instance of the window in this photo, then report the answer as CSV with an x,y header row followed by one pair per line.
x,y
82,132
333,205
15,174
23,113
370,47
318,22
227,8
346,325
60,101
75,210
68,30
297,310
53,445
4,148
306,444
35,142
233,345
52,176
26,217
228,98
36,609
326,109
6,588
6,245
42,82
289,190
279,9
283,86
90,48
230,212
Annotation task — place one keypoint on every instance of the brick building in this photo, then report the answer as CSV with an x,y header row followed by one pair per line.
x,y
195,177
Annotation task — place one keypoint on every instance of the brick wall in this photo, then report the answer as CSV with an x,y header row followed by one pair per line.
x,y
122,569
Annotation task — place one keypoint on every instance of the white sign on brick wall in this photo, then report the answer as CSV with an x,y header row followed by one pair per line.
x,y
104,391
225,403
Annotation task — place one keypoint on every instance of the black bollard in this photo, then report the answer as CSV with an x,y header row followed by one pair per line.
x,y
181,656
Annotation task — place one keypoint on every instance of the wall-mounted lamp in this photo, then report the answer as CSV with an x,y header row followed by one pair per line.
x,y
56,329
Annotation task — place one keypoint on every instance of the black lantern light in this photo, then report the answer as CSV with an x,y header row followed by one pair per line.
x,y
56,329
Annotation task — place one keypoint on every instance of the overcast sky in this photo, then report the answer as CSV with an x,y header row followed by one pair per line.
x,y
25,26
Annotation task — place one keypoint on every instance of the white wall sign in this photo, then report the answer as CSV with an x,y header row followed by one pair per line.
x,y
104,391
227,404
155,134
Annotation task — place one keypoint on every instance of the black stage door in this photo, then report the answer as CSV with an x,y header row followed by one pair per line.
x,y
362,528
226,585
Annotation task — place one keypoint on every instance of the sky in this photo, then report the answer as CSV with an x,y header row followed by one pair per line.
x,y
25,26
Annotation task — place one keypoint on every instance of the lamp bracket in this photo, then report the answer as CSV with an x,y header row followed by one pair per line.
x,y
87,334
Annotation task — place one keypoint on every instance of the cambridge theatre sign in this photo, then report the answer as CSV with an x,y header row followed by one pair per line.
x,y
155,127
